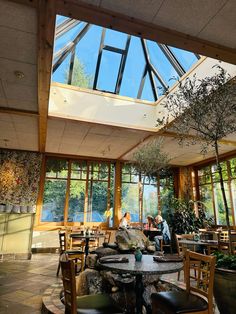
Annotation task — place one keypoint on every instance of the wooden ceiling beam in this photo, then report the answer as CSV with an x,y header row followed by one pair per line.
x,y
46,30
106,18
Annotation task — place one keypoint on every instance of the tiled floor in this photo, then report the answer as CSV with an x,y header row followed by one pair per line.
x,y
22,283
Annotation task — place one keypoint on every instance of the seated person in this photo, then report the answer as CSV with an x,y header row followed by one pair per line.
x,y
125,220
150,222
162,224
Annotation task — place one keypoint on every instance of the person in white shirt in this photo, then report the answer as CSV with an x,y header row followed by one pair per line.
x,y
125,220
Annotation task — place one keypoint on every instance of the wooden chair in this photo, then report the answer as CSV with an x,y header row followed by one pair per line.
x,y
77,255
181,250
198,296
87,304
223,242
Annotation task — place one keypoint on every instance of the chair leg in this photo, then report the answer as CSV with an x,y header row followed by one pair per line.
x,y
58,268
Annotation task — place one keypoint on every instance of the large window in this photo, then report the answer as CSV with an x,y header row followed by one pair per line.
x,y
157,193
210,191
77,191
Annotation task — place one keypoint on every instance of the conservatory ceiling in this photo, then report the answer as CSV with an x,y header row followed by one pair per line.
x,y
110,120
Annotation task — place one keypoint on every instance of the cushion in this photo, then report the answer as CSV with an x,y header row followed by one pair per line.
x,y
101,251
96,304
180,301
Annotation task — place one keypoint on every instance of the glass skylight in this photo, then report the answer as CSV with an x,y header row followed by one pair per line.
x,y
93,57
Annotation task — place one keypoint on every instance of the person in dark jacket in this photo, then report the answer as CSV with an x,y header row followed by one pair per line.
x,y
165,232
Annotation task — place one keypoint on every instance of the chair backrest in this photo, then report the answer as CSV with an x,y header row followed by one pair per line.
x,y
179,246
202,278
62,241
68,278
107,237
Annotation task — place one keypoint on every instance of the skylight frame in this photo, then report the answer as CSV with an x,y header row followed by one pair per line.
x,y
149,68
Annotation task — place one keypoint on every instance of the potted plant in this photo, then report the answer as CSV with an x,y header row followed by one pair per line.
x,y
225,282
204,110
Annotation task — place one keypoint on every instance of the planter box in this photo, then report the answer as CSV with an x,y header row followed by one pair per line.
x,y
225,290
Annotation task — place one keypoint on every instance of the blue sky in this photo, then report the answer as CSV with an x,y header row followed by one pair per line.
x,y
87,52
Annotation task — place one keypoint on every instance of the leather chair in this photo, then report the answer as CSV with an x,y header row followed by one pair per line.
x,y
87,304
198,296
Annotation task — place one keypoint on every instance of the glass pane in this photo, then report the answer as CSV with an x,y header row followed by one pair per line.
x,y
62,72
97,201
76,201
233,167
54,200
221,220
56,168
186,58
130,200
134,68
206,198
147,93
150,201
115,39
167,194
87,51
108,72
233,188
78,170
162,64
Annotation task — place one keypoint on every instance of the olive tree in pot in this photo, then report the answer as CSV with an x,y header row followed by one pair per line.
x,y
204,111
150,161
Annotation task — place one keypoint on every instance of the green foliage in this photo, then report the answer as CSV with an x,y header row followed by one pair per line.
x,y
225,261
79,77
184,220
149,160
205,107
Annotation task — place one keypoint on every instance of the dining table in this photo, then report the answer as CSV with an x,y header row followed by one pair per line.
x,y
147,266
193,244
87,237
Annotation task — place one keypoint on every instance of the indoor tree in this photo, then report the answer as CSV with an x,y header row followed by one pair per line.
x,y
149,161
203,110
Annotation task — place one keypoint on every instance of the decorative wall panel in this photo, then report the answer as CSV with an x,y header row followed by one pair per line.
x,y
19,179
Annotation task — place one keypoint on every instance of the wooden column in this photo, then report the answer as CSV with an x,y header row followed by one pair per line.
x,y
117,200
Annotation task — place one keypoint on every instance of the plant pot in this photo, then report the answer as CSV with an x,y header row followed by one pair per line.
x,y
16,209
8,208
23,209
224,290
138,255
2,208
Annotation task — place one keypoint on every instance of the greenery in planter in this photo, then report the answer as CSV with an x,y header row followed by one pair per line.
x,y
225,261
203,111
184,219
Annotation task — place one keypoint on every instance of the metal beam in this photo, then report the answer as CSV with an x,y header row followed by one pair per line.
x,y
140,90
122,65
172,59
65,52
65,26
99,58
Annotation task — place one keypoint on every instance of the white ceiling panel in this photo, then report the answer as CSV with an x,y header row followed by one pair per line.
x,y
8,68
222,26
18,132
20,92
18,45
141,9
187,16
18,16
